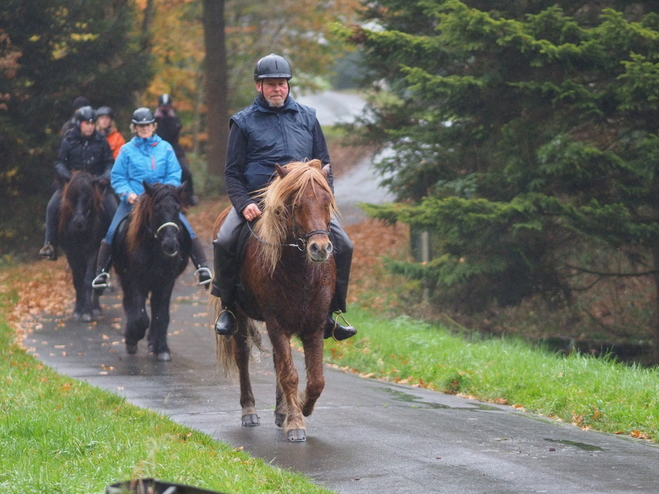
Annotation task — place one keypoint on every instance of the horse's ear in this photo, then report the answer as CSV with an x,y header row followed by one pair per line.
x,y
281,171
147,188
327,169
180,189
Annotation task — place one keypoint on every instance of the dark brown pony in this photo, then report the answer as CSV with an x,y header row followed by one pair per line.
x,y
287,279
82,224
149,254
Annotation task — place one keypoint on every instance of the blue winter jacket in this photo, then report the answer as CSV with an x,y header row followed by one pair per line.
x,y
261,136
151,160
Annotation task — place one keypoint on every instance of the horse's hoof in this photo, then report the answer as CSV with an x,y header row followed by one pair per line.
x,y
152,348
87,317
77,316
297,435
163,357
131,349
97,312
251,420
280,418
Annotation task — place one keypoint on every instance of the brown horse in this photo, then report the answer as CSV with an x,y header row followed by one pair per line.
x,y
287,279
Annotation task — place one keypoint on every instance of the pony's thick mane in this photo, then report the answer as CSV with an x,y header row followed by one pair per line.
x,y
79,181
278,199
142,216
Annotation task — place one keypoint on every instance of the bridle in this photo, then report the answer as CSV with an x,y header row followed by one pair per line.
x,y
300,241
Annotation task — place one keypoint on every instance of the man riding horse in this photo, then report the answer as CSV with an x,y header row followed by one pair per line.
x,y
82,149
275,129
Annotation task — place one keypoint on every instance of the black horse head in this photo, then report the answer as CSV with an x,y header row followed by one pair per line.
x,y
158,215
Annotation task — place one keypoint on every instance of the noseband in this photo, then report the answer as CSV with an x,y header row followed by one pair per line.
x,y
165,225
300,241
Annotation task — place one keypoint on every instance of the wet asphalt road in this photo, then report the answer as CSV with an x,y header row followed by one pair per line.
x,y
365,436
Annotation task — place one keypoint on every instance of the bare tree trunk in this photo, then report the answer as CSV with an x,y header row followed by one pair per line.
x,y
199,101
149,14
655,316
216,89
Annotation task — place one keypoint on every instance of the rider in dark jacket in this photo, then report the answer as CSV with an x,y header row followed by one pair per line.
x,y
169,128
275,129
82,149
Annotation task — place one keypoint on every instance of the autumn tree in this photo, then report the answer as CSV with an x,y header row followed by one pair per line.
x,y
525,136
50,53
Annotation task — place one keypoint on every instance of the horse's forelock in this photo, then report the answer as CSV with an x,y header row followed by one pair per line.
x,y
81,182
280,195
142,215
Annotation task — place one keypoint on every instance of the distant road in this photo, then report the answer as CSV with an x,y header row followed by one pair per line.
x,y
333,107
361,183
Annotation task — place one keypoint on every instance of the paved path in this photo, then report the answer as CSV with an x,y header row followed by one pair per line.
x,y
365,436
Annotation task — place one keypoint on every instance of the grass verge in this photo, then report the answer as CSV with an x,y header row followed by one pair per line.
x,y
589,392
60,435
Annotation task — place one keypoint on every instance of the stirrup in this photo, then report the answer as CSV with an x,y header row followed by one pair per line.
x,y
207,272
102,280
230,332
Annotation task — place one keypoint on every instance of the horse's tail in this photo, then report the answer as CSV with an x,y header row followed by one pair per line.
x,y
225,346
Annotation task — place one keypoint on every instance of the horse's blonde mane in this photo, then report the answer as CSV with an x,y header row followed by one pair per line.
x,y
278,198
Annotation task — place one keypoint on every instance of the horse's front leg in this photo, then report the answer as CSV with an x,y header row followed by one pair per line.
x,y
78,274
137,320
280,407
288,380
160,299
313,357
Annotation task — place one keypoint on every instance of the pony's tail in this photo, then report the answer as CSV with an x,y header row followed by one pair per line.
x,y
225,346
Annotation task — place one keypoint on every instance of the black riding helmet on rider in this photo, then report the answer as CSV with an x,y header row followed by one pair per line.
x,y
143,116
273,67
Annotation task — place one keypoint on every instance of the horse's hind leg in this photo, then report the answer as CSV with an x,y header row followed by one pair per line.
x,y
241,355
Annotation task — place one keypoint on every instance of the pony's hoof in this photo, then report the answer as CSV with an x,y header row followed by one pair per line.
x,y
163,357
87,317
151,348
251,420
297,435
97,312
280,418
131,349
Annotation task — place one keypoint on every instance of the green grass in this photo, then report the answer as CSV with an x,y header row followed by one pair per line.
x,y
60,435
590,392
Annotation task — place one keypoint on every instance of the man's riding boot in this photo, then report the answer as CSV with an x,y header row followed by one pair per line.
x,y
103,263
198,257
343,259
223,287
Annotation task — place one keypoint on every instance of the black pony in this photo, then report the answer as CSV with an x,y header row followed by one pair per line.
x,y
82,224
149,253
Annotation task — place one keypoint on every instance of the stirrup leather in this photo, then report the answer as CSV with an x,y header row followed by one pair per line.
x,y
102,280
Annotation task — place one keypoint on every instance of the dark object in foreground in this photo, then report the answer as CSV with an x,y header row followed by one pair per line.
x,y
153,486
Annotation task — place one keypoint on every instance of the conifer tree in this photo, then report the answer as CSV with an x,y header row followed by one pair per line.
x,y
525,135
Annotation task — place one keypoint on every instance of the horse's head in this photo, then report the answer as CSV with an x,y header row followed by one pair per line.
x,y
298,206
81,199
157,214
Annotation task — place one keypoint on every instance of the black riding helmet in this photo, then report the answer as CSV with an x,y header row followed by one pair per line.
x,y
164,100
85,114
105,110
273,67
143,116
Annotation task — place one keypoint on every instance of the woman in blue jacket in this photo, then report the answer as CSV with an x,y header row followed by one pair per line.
x,y
145,158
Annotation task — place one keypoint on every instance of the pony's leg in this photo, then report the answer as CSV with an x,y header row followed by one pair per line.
x,y
288,379
78,274
160,299
137,320
241,351
313,357
280,408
